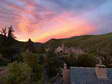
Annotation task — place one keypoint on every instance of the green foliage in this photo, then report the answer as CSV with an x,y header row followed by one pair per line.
x,y
86,60
55,63
86,42
52,44
32,60
71,60
89,44
18,73
105,54
82,60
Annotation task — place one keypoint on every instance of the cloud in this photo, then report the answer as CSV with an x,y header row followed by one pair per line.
x,y
101,17
65,25
45,19
74,5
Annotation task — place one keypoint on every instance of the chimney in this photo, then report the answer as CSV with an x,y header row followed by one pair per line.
x,y
66,75
101,71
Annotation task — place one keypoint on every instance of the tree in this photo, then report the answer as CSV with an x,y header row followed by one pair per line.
x,y
4,31
18,73
10,32
71,60
8,48
105,55
54,64
32,60
86,60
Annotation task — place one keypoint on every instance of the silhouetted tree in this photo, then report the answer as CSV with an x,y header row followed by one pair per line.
x,y
8,48
29,46
4,31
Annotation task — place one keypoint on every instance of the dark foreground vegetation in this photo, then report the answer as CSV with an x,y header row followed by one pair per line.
x,y
37,63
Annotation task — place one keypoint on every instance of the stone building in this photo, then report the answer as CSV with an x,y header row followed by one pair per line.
x,y
68,50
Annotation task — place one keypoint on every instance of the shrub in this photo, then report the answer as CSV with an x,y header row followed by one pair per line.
x,y
18,73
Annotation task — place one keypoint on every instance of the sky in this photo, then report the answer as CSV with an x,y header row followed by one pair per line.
x,y
42,20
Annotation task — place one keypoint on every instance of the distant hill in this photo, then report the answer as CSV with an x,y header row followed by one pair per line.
x,y
90,42
87,42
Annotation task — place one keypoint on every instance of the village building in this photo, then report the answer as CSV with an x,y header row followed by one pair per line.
x,y
87,75
69,50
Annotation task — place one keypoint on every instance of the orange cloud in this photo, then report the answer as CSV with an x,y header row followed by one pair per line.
x,y
26,22
64,26
61,26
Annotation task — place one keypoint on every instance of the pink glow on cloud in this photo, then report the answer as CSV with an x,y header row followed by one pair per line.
x,y
63,26
40,26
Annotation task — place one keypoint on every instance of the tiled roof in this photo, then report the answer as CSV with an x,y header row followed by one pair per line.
x,y
81,75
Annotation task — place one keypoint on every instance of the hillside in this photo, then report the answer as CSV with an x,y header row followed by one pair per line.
x,y
87,42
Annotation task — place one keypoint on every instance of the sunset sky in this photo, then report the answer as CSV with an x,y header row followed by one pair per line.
x,y
42,20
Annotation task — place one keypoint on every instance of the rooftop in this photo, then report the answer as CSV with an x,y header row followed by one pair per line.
x,y
85,75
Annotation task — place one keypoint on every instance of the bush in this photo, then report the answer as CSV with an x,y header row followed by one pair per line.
x,y
18,73
87,60
54,64
33,61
